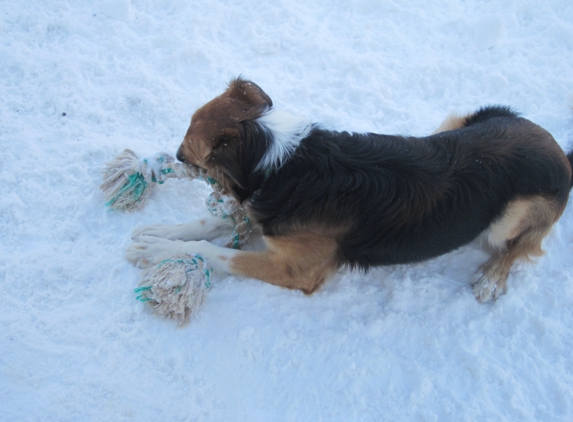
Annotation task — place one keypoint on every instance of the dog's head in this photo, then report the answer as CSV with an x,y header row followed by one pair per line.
x,y
223,136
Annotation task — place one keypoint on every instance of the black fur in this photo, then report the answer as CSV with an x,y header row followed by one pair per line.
x,y
486,113
570,158
406,199
253,141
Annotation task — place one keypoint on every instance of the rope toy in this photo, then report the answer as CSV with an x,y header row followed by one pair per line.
x,y
176,287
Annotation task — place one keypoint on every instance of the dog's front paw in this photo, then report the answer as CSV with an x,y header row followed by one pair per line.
x,y
487,287
165,231
146,251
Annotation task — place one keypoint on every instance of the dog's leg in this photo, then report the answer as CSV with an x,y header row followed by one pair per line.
x,y
207,228
147,251
301,261
517,234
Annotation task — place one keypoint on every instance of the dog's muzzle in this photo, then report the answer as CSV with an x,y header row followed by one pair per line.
x,y
179,156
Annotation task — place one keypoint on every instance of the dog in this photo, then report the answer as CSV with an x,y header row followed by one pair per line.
x,y
324,199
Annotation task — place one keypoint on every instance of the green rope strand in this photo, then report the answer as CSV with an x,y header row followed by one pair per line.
x,y
136,184
193,264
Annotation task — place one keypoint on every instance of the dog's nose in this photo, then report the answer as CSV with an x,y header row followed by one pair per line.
x,y
180,156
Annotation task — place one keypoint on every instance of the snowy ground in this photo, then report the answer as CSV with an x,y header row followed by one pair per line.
x,y
80,81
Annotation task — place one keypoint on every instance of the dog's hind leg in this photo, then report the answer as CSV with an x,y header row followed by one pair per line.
x,y
517,234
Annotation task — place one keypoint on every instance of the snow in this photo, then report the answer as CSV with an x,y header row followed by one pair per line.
x,y
80,81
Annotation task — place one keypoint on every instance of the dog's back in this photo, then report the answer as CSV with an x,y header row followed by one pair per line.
x,y
398,199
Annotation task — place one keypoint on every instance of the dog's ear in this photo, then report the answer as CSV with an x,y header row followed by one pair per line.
x,y
249,92
226,157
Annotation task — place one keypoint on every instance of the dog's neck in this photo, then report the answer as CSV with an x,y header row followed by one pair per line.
x,y
272,140
285,131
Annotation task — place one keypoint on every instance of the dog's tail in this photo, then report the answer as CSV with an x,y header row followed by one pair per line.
x,y
455,121
489,112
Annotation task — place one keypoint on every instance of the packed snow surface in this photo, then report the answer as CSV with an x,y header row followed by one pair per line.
x,y
82,80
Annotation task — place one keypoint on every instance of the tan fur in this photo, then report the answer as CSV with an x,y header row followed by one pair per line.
x,y
517,234
452,122
217,121
510,224
300,261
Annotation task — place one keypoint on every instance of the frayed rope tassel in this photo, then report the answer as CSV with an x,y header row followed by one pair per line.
x,y
176,287
128,180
